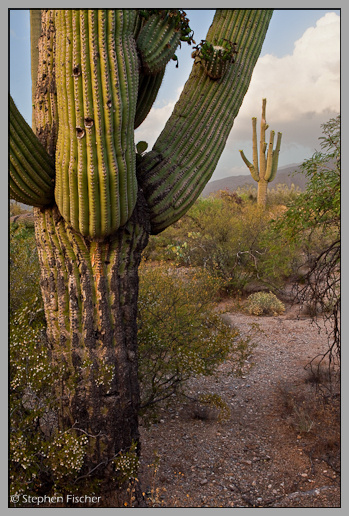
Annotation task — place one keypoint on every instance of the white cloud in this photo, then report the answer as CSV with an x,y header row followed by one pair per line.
x,y
302,92
308,81
153,124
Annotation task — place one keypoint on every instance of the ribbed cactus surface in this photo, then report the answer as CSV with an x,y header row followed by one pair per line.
x,y
31,168
157,42
99,196
97,89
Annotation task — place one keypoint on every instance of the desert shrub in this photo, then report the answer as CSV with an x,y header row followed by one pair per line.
x,y
264,303
42,458
24,267
231,240
313,224
17,209
282,194
247,192
278,194
179,334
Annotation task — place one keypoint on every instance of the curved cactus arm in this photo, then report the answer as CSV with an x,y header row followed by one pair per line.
x,y
186,153
31,168
252,168
269,161
275,158
158,32
262,144
157,42
149,86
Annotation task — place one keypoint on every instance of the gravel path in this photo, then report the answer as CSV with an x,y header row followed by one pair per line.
x,y
263,455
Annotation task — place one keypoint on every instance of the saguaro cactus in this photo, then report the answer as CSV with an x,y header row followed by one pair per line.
x,y
96,204
265,172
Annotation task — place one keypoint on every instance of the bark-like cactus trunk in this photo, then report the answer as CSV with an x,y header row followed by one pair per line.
x,y
262,193
90,292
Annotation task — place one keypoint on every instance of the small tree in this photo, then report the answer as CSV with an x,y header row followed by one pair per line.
x,y
312,222
264,172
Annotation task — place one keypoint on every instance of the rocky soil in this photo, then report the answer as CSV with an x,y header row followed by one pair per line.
x,y
276,446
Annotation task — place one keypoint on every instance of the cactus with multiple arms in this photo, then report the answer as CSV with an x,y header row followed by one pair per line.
x,y
265,172
98,75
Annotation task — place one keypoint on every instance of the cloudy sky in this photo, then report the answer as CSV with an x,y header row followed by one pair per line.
x,y
298,72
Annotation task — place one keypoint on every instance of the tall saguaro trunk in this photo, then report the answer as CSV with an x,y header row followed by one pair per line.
x,y
89,286
90,294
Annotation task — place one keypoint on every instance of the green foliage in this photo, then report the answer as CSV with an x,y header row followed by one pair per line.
x,y
175,17
179,334
17,209
41,455
228,237
215,57
126,464
264,303
24,267
312,224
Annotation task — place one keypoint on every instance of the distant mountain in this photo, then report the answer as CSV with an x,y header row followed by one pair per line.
x,y
287,175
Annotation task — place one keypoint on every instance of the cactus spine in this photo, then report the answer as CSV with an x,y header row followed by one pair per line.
x,y
265,172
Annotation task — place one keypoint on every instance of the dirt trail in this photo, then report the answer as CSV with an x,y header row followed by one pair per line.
x,y
280,445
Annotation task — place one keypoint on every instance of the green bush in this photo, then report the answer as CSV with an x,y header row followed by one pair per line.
x,y
264,303
42,457
231,239
179,334
24,267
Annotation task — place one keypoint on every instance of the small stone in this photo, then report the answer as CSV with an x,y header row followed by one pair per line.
x,y
204,481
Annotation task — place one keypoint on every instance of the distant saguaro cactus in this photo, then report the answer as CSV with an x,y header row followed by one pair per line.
x,y
98,196
265,171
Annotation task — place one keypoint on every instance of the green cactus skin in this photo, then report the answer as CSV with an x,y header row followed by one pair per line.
x,y
157,42
31,168
186,153
97,88
157,49
264,172
35,32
